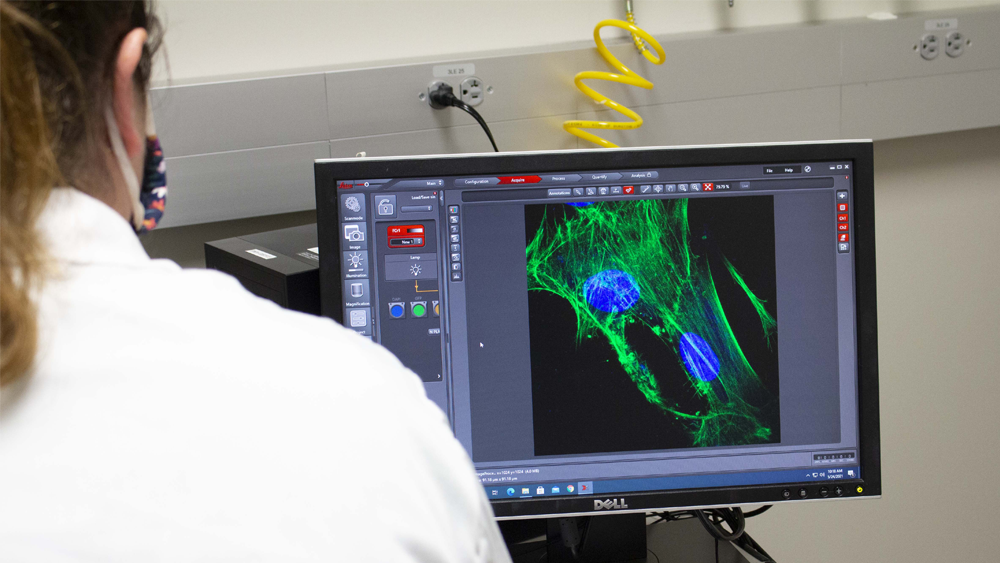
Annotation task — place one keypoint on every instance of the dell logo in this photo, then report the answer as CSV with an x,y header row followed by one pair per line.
x,y
610,504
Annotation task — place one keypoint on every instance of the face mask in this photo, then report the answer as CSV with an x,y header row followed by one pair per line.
x,y
148,199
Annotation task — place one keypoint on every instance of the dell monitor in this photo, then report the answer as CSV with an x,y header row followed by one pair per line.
x,y
625,330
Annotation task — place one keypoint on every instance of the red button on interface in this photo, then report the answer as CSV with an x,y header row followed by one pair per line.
x,y
708,186
404,230
629,189
401,236
844,237
841,208
519,179
842,217
843,226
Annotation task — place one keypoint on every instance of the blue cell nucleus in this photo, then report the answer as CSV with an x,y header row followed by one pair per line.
x,y
580,203
611,291
699,359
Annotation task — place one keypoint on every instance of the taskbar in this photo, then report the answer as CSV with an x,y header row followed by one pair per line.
x,y
512,491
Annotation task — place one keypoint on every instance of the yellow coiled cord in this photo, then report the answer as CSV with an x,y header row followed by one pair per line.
x,y
626,76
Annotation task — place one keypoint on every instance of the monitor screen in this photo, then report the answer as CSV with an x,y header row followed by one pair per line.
x,y
626,329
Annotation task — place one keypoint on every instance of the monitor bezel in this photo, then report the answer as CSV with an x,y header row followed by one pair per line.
x,y
859,152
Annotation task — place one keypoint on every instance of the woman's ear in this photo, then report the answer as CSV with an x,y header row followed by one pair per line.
x,y
130,125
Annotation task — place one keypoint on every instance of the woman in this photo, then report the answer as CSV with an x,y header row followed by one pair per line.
x,y
149,412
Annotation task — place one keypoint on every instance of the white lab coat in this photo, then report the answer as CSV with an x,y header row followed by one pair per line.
x,y
174,416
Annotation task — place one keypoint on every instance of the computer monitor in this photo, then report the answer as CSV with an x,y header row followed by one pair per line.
x,y
625,330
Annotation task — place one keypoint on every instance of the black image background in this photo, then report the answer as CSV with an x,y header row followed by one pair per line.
x,y
584,402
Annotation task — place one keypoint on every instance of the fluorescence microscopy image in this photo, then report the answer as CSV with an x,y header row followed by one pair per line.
x,y
653,324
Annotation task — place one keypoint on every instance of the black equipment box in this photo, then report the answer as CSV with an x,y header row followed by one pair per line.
x,y
281,265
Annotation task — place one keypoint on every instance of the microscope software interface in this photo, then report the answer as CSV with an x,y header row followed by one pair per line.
x,y
604,331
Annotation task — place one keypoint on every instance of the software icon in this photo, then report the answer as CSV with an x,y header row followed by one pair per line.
x,y
354,233
352,204
359,317
357,290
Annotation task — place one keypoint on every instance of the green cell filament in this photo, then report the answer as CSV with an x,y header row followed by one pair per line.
x,y
766,320
628,265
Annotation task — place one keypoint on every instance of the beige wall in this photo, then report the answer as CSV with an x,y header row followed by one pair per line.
x,y
938,237
210,38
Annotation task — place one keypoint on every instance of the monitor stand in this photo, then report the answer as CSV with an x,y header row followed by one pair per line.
x,y
597,539
617,538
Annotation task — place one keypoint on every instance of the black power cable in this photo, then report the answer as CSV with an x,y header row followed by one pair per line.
x,y
713,519
757,512
443,96
715,522
750,546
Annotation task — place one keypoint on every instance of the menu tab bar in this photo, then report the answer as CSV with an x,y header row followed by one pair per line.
x,y
650,175
602,177
466,182
514,180
783,169
559,178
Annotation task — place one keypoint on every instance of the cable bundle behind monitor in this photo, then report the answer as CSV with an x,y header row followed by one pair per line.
x,y
716,520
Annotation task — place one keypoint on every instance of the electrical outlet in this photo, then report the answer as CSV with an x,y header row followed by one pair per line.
x,y
955,44
434,85
472,91
929,46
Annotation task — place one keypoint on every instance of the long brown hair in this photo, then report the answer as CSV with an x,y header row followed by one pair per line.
x,y
56,69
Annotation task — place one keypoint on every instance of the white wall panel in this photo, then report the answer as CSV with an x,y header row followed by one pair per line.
x,y
920,106
240,114
215,37
248,183
849,79
719,65
385,100
884,50
798,115
522,135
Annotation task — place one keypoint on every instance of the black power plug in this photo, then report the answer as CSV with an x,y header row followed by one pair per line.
x,y
442,96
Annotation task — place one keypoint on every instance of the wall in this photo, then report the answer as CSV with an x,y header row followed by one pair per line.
x,y
938,226
240,148
217,38
186,245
